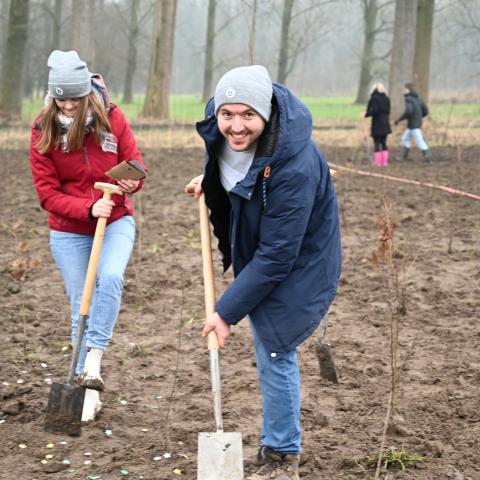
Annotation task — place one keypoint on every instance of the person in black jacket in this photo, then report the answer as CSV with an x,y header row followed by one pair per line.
x,y
379,109
415,110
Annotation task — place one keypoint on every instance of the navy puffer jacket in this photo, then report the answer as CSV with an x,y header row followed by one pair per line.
x,y
279,227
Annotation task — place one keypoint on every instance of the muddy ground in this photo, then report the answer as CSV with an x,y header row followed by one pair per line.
x,y
158,397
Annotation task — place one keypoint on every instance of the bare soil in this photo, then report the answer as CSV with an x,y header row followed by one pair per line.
x,y
158,397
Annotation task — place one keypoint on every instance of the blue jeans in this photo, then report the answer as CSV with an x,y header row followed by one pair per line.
x,y
279,379
417,136
71,252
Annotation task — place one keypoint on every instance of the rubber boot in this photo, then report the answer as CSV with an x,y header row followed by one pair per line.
x,y
385,158
427,155
378,159
405,153
90,377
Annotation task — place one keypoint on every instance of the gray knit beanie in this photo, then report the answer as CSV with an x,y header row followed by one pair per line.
x,y
68,75
251,86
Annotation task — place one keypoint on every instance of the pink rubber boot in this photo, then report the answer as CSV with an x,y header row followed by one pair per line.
x,y
378,159
385,158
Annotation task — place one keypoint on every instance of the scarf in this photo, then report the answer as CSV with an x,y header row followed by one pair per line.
x,y
65,124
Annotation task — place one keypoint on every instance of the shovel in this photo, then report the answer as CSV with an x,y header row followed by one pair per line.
x,y
220,454
324,354
65,402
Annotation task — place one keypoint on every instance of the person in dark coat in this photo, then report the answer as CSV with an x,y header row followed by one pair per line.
x,y
379,109
274,210
415,110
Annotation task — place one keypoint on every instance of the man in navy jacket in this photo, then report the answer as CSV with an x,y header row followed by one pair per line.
x,y
274,210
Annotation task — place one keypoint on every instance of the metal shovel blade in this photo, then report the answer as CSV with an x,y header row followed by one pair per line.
x,y
325,360
64,409
220,456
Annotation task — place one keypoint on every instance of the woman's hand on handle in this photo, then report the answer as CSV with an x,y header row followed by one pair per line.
x,y
102,208
219,326
194,187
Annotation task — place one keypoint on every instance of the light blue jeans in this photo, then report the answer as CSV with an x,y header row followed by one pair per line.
x,y
279,379
71,252
416,135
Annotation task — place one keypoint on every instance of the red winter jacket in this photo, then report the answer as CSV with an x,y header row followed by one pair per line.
x,y
65,181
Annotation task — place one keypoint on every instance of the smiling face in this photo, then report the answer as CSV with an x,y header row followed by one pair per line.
x,y
68,106
240,125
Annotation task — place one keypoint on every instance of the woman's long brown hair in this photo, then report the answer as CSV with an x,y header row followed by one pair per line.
x,y
51,131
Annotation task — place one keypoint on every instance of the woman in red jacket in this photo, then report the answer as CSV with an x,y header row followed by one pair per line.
x,y
76,138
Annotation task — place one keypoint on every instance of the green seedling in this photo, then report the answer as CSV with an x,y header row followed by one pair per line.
x,y
396,458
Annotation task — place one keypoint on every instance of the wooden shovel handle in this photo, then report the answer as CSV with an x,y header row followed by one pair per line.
x,y
108,190
208,278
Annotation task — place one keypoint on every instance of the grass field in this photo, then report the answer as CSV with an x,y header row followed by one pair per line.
x,y
189,108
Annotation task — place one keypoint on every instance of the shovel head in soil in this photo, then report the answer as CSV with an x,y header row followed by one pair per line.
x,y
64,409
220,456
325,360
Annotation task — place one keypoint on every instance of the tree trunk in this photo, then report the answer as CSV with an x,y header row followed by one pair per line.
x,y
90,34
4,8
401,64
423,47
75,25
57,25
252,33
53,9
208,69
13,60
284,41
369,17
132,52
157,99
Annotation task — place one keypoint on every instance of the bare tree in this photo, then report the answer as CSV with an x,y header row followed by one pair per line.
x,y
157,98
293,40
132,24
369,19
4,7
284,41
91,26
82,32
252,33
465,16
208,69
212,34
14,58
75,25
401,64
423,47
55,14
133,30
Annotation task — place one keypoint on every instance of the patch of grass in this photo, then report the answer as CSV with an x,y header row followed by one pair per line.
x,y
333,108
184,108
190,108
456,111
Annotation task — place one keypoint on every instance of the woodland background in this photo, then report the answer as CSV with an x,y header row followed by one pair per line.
x,y
317,47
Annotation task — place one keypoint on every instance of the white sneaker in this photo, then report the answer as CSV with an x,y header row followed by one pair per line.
x,y
91,405
90,377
